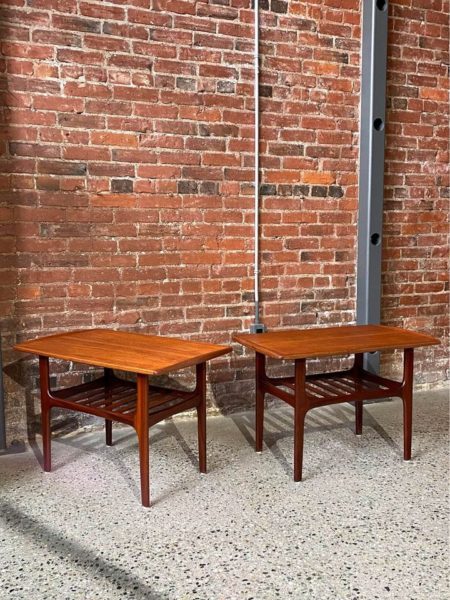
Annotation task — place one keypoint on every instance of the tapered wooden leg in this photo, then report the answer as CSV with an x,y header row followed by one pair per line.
x,y
45,412
300,410
108,432
108,398
407,398
46,436
141,423
359,362
201,416
260,372
358,417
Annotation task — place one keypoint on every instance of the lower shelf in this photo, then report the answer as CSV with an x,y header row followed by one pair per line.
x,y
333,388
117,402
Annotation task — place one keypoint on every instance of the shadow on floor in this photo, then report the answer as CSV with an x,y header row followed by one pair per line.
x,y
15,448
42,535
278,426
115,455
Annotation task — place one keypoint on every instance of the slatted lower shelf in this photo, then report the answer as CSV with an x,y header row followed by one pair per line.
x,y
118,400
331,388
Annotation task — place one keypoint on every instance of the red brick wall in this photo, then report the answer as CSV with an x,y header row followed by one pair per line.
x,y
415,266
127,153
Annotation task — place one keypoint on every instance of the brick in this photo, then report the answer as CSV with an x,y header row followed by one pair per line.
x,y
101,11
114,139
184,83
278,6
81,121
317,177
335,191
58,103
101,42
32,51
268,190
134,93
114,200
122,186
62,167
56,38
319,190
76,23
86,90
187,187
78,56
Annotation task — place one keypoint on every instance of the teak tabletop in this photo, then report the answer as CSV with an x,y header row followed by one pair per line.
x,y
332,341
122,350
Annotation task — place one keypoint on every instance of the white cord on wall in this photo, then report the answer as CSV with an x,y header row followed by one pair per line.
x,y
257,326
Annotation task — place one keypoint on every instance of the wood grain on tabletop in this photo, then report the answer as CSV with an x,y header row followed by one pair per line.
x,y
332,341
128,351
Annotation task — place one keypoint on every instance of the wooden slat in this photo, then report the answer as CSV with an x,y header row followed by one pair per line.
x,y
388,383
312,392
316,389
103,413
80,389
276,391
327,385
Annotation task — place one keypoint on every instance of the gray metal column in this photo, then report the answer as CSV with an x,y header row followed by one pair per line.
x,y
2,407
371,166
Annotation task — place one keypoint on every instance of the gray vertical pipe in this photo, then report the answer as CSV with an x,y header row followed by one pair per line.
x,y
371,165
2,405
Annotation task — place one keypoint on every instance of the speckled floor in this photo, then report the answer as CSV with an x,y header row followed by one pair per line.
x,y
362,525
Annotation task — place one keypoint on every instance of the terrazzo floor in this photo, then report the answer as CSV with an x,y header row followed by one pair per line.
x,y
363,524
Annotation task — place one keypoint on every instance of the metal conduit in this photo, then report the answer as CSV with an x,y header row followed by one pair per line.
x,y
371,167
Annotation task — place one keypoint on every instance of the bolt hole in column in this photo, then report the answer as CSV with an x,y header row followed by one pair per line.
x,y
375,239
382,5
378,124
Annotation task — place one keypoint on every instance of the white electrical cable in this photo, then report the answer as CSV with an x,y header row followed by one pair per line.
x,y
256,152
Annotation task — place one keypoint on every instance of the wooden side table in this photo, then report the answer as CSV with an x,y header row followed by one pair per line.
x,y
116,399
304,392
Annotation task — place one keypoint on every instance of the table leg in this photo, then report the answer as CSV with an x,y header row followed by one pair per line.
x,y
407,398
300,410
141,424
359,362
44,377
201,415
260,373
108,397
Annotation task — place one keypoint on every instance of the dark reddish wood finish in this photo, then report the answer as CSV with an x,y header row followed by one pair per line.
x,y
359,358
304,392
138,404
44,377
200,392
407,398
141,424
300,409
108,399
